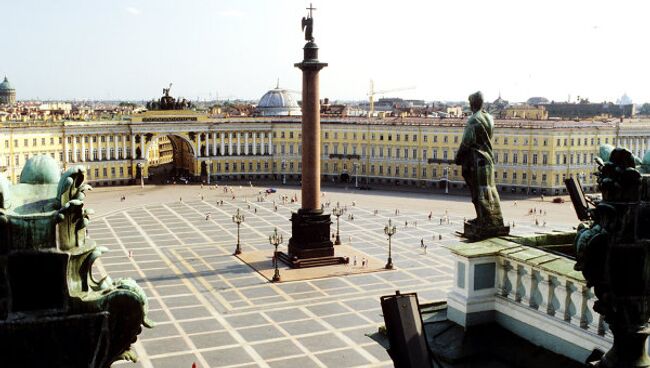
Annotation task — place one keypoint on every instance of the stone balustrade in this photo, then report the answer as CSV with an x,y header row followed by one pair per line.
x,y
525,285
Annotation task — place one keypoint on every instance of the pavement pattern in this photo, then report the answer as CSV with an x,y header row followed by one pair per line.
x,y
214,310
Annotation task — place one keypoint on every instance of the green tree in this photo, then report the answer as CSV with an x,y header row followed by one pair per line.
x,y
645,109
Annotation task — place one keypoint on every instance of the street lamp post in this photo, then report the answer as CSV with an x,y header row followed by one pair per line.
x,y
238,218
337,211
275,240
389,230
356,175
284,177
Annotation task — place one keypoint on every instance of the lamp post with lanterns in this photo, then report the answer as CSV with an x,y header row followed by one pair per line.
x,y
275,239
238,218
337,211
389,230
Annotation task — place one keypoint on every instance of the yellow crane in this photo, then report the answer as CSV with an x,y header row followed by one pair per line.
x,y
372,93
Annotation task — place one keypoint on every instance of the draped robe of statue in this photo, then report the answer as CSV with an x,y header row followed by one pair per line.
x,y
475,157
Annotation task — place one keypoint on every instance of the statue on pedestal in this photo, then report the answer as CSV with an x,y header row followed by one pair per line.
x,y
53,311
475,157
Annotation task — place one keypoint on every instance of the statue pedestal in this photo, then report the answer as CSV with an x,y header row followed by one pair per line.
x,y
476,232
310,244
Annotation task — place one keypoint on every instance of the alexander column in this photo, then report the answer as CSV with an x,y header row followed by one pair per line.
x,y
310,236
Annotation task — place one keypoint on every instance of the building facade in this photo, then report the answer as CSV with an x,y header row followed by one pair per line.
x,y
532,156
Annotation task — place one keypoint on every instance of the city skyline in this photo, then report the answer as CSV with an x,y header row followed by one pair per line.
x,y
129,50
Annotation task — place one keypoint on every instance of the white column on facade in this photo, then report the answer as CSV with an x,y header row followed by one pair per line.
x,y
65,149
223,142
246,143
132,146
198,145
270,144
116,141
230,153
108,147
254,142
74,148
83,148
91,149
262,143
124,148
100,157
238,143
214,144
143,146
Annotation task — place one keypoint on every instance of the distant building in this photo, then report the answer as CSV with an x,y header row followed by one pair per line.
x,y
537,101
7,93
278,102
526,112
585,110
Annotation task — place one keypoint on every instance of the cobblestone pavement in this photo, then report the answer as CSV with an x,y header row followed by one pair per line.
x,y
214,310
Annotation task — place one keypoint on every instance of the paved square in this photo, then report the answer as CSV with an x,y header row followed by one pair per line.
x,y
213,309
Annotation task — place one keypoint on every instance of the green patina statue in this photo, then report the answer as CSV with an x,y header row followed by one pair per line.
x,y
475,157
53,311
613,253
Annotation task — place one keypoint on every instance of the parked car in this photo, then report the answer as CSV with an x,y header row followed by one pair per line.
x,y
270,190
558,200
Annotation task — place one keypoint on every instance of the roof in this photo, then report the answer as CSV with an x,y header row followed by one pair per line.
x,y
6,86
278,102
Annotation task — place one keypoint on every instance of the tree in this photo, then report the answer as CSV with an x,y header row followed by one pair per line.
x,y
645,109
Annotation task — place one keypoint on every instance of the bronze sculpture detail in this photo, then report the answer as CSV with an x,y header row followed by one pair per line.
x,y
475,157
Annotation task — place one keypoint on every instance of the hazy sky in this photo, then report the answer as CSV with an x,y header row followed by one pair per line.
x,y
131,49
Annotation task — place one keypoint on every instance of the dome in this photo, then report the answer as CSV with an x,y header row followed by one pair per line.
x,y
278,102
6,86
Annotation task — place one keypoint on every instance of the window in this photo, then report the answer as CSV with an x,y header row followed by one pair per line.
x,y
25,142
397,137
514,176
455,139
525,158
505,175
105,172
505,140
515,158
42,141
543,178
445,139
505,157
390,137
415,153
444,154
544,159
291,135
326,149
524,176
424,153
415,137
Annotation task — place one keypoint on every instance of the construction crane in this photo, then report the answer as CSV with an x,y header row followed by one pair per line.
x,y
372,93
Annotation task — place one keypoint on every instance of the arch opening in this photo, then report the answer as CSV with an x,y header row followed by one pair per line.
x,y
170,159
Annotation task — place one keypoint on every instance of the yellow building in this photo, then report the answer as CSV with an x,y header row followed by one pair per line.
x,y
532,156
526,112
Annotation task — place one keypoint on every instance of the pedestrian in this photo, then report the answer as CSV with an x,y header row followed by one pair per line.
x,y
425,249
363,262
130,253
255,209
180,199
430,214
415,223
201,185
395,212
439,236
421,243
542,198
544,223
515,204
350,239
406,224
201,196
207,216
276,208
354,261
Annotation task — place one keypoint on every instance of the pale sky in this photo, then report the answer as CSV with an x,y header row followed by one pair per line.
x,y
447,49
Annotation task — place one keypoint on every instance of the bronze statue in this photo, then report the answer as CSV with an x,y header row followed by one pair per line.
x,y
612,253
475,157
308,25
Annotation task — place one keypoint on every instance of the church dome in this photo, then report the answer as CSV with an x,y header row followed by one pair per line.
x,y
6,86
278,102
